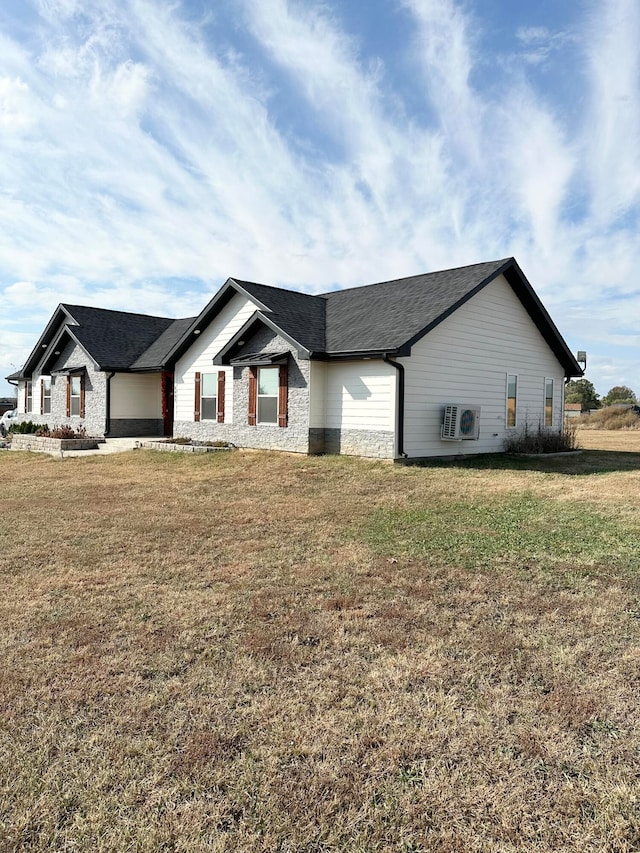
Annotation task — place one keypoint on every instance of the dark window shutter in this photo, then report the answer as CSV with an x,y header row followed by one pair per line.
x,y
41,397
221,380
283,395
253,395
196,406
68,396
82,389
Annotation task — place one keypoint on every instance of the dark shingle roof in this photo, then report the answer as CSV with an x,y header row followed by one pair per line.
x,y
380,317
115,339
385,316
391,316
156,354
300,315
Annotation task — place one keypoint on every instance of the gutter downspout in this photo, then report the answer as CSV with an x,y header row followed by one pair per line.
x,y
107,420
399,405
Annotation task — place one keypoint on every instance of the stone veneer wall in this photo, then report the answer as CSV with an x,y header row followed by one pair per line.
x,y
294,437
352,442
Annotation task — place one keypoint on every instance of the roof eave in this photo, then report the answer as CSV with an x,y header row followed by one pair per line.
x,y
356,355
32,359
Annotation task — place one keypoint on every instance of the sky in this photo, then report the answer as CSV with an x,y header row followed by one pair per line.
x,y
151,149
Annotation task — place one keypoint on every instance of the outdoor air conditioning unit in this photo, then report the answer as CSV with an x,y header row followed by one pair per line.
x,y
461,422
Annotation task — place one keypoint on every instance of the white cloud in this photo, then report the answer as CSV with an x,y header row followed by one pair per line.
x,y
612,126
16,113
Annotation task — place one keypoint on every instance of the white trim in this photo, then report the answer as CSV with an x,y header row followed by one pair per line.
x,y
276,369
209,397
43,381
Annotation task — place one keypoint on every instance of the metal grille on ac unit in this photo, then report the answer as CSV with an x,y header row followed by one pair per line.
x,y
461,421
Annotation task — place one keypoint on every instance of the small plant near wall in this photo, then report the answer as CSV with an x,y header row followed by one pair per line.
x,y
541,440
26,428
64,431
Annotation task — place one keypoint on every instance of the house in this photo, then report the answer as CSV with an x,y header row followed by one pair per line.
x,y
101,369
572,410
437,364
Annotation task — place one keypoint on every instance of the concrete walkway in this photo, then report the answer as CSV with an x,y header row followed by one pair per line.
x,y
110,445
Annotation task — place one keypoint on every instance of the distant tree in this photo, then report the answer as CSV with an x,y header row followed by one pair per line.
x,y
581,391
619,394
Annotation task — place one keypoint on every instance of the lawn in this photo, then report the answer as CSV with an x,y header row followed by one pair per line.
x,y
263,652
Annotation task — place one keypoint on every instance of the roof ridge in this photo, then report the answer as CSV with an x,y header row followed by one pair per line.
x,y
68,305
498,261
241,281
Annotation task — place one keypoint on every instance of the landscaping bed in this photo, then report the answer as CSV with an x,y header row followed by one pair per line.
x,y
45,444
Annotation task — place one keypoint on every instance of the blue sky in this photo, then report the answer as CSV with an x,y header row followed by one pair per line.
x,y
149,150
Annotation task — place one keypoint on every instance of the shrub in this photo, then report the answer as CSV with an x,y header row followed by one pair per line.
x,y
64,431
26,428
541,440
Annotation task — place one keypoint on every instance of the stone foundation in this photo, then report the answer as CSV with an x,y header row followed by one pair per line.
x,y
352,442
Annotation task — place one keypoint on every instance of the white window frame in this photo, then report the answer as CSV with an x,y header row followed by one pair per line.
x,y
72,396
259,396
46,397
507,398
203,396
29,392
548,379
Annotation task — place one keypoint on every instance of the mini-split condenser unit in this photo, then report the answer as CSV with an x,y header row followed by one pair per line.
x,y
460,422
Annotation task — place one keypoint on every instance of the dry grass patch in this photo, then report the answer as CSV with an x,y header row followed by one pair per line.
x,y
255,652
617,440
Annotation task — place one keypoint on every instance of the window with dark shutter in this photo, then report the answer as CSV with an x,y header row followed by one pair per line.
x,y
283,395
253,395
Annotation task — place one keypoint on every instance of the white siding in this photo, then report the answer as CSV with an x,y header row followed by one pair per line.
x,y
358,395
136,396
317,392
466,359
199,357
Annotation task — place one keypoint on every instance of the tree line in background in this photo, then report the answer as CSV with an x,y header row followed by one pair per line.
x,y
582,391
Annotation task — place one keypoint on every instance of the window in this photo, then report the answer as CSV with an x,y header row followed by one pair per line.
x,y
268,395
208,400
512,399
209,396
268,385
548,402
46,396
76,393
28,407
